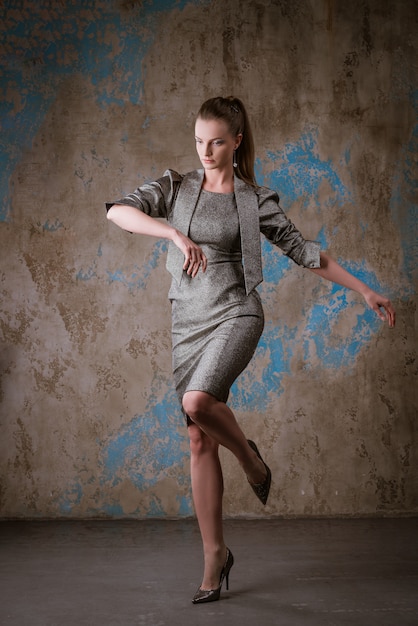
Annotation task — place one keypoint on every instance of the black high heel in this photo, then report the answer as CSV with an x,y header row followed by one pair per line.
x,y
211,595
261,490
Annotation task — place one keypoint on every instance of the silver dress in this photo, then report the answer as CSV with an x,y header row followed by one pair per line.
x,y
215,325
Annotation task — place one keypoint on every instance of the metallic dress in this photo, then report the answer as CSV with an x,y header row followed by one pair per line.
x,y
216,325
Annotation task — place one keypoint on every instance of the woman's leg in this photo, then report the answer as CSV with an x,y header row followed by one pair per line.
x,y
207,488
217,421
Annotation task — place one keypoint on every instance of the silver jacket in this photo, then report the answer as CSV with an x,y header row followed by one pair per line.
x,y
174,197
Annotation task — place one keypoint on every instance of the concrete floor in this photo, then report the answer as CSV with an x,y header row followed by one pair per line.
x,y
287,572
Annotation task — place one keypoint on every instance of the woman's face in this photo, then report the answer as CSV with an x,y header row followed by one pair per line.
x,y
214,144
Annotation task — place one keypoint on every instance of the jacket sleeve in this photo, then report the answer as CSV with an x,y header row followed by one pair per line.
x,y
279,229
156,199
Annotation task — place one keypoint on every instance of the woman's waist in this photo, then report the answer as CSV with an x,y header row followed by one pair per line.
x,y
218,255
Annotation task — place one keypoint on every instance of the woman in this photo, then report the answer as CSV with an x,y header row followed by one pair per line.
x,y
214,218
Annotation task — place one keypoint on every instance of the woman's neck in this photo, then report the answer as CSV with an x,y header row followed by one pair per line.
x,y
220,182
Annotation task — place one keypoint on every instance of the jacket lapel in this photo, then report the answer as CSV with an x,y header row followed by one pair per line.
x,y
181,216
248,213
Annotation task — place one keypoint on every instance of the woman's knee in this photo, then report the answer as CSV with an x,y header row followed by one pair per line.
x,y
196,405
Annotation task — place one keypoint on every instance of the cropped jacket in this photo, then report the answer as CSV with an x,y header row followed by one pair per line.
x,y
174,197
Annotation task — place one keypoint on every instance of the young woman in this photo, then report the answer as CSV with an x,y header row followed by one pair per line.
x,y
214,217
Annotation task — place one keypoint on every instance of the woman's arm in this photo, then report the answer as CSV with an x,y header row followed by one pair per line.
x,y
135,221
332,271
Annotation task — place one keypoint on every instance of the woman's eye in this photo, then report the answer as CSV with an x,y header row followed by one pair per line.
x,y
218,143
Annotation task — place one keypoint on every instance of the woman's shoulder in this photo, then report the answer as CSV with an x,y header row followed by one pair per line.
x,y
262,194
177,177
172,175
265,193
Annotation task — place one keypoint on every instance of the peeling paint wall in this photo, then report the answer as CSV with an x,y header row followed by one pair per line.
x,y
98,97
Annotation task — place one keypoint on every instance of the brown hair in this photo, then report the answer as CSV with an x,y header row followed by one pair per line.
x,y
233,112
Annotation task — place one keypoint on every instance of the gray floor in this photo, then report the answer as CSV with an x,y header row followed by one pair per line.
x,y
287,572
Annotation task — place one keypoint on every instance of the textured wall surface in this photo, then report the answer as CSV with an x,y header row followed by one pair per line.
x,y
97,97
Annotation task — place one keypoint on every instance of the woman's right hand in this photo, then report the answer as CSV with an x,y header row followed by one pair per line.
x,y
132,219
194,258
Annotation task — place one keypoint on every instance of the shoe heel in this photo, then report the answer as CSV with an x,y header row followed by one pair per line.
x,y
211,595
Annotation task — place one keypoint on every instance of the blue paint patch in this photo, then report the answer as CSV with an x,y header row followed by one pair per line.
x,y
297,173
91,272
275,265
247,393
318,338
52,227
77,41
155,508
148,448
138,279
72,498
109,510
86,275
322,238
185,506
144,452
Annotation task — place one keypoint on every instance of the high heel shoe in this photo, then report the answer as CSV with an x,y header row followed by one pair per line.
x,y
261,490
211,595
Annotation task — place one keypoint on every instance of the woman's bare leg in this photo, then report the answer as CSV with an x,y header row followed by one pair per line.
x,y
213,423
217,421
207,488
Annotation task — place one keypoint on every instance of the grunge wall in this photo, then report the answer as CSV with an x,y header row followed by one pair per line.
x,y
98,97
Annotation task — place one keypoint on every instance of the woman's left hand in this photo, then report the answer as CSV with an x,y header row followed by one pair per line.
x,y
382,306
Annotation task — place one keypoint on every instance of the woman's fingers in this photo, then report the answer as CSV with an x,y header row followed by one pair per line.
x,y
390,313
383,307
199,263
194,259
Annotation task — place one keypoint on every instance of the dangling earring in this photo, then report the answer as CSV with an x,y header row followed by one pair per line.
x,y
234,162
